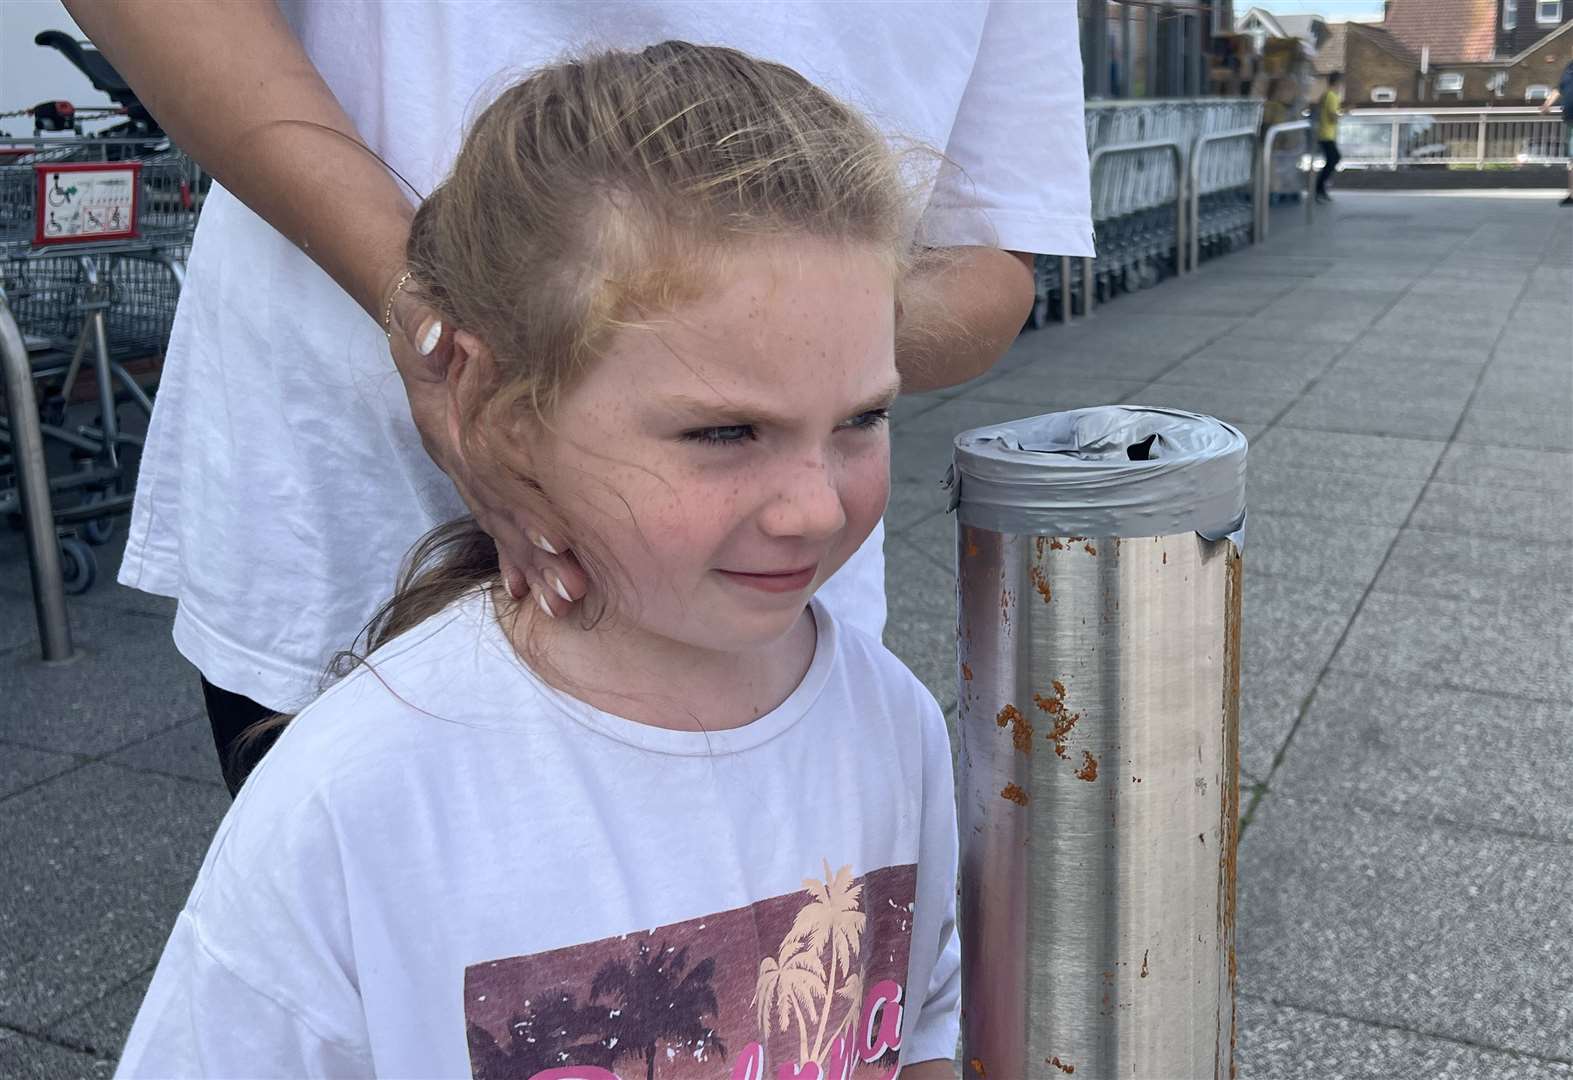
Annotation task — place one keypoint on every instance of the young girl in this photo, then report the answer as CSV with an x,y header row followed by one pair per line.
x,y
704,830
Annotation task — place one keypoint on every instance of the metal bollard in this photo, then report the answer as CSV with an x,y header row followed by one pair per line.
x,y
1099,591
32,481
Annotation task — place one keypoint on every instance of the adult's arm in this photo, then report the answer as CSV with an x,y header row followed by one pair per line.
x,y
234,88
962,309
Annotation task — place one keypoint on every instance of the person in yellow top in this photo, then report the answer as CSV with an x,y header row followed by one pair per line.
x,y
1328,110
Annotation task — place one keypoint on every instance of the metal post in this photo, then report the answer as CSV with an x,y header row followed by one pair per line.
x,y
1150,27
1065,288
1201,143
1125,90
108,422
32,481
1310,175
1098,791
1392,162
1480,145
1264,182
1096,76
1088,287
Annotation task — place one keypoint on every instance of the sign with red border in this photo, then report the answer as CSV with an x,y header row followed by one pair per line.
x,y
81,202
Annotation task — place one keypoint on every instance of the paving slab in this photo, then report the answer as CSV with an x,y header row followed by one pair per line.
x,y
1281,1042
1038,390
1529,430
1220,370
1292,546
129,683
1235,406
21,767
1288,630
1348,454
921,625
1508,513
1455,756
25,1057
1521,644
1477,567
1375,417
1274,488
1544,471
185,750
104,1024
95,867
1454,932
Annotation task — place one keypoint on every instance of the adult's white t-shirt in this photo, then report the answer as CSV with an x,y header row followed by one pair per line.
x,y
447,868
283,480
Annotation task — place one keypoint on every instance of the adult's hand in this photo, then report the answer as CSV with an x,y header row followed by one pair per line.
x,y
423,352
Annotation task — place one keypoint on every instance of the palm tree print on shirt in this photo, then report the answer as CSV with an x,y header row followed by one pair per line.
x,y
798,982
783,983
660,1003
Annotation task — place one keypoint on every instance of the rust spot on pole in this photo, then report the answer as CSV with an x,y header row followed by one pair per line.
x,y
1090,549
1089,768
977,1067
1064,719
1166,558
1021,727
966,672
1144,962
1015,795
1040,583
1060,1065
971,548
1055,545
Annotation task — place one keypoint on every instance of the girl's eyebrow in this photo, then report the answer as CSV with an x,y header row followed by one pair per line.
x,y
710,410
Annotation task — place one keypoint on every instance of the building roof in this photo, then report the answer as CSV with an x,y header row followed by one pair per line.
x,y
1305,27
1454,30
1379,37
1330,57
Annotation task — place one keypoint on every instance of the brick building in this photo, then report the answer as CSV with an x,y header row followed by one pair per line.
x,y
1474,52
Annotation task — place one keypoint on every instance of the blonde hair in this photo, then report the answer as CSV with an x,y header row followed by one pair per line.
x,y
596,192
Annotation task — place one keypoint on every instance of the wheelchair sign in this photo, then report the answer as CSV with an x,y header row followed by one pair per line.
x,y
79,203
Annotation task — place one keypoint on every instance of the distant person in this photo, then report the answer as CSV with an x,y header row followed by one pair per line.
x,y
1564,94
1328,110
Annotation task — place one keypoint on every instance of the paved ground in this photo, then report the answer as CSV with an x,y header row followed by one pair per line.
x,y
1405,373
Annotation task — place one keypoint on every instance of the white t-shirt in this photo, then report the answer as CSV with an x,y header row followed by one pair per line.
x,y
446,868
283,479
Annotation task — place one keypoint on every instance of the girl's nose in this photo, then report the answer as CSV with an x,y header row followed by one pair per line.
x,y
806,501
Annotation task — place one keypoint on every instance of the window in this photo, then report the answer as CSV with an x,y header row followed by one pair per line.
x,y
1538,92
1383,95
1450,82
1548,11
1509,14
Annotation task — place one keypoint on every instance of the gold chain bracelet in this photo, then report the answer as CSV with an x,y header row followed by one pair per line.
x,y
387,311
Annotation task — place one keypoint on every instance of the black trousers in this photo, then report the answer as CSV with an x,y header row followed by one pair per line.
x,y
1332,157
229,715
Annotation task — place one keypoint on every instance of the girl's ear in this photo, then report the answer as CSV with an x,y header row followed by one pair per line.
x,y
471,368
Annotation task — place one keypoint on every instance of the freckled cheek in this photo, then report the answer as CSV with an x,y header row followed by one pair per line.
x,y
865,487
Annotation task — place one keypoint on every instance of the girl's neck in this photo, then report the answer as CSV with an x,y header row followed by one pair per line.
x,y
625,671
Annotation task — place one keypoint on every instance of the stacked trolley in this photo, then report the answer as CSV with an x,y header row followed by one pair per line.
x,y
1173,182
93,237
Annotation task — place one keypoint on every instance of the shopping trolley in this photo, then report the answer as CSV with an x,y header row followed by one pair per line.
x,y
93,239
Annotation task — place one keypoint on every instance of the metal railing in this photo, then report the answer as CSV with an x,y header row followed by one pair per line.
x,y
1222,178
1264,176
1390,138
32,481
1113,200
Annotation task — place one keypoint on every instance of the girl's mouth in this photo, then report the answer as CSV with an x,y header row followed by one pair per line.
x,y
775,581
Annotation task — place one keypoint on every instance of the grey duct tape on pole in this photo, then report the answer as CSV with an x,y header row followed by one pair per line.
x,y
1099,613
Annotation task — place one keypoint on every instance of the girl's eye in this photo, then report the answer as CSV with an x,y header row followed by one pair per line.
x,y
868,421
731,435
